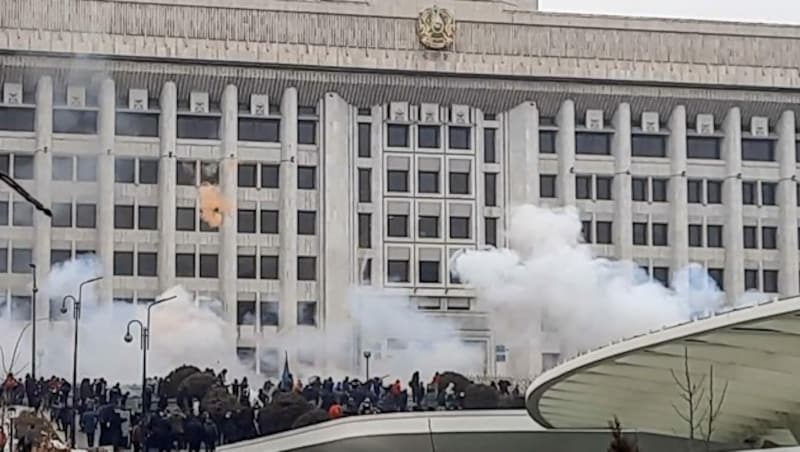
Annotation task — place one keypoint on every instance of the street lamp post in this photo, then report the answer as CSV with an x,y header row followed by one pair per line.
x,y
144,343
35,290
12,412
367,356
76,314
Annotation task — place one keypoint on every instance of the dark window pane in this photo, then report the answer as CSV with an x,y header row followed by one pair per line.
x,y
246,221
660,234
459,228
85,216
749,193
428,137
269,313
696,235
602,187
148,218
490,145
397,226
21,308
246,313
3,213
603,232
63,168
427,182
87,169
123,263
17,119
123,217
209,173
364,185
397,135
694,191
269,267
56,257
364,140
137,124
307,313
186,172
769,237
547,141
269,221
184,265
583,187
255,129
490,231
21,260
459,137
586,229
768,193
429,272
147,264
750,237
148,171
397,271
270,176
75,121
592,143
661,274
639,188
428,227
490,188
640,233
459,183
62,215
185,219
649,146
714,192
124,170
660,190
306,132
714,236
23,167
750,279
754,150
703,148
247,175
770,281
306,268
23,214
209,266
246,267
364,230
718,275
397,181
306,222
547,185
198,127
306,177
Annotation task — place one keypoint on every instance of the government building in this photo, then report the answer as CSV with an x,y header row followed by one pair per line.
x,y
366,142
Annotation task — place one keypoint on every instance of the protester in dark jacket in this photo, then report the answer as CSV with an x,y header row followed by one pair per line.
x,y
89,422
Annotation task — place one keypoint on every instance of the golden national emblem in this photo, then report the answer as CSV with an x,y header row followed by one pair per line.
x,y
436,28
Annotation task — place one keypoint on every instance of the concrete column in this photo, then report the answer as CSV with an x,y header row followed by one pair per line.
x,y
105,185
623,200
42,168
168,124
338,257
228,184
732,197
288,212
522,162
679,207
378,184
565,147
787,202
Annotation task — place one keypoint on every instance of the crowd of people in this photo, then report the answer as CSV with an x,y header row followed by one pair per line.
x,y
193,409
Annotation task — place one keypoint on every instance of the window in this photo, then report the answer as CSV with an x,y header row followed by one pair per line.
x,y
397,226
714,192
184,265
397,181
703,148
306,177
649,146
489,145
749,193
547,142
428,227
23,214
259,129
21,260
750,237
124,170
750,279
21,308
247,175
547,185
459,137
364,185
694,191
186,173
602,187
583,187
696,235
23,167
489,187
397,271
661,274
56,257
270,176
768,193
428,182
245,312
147,264
269,221
198,127
209,266
246,267
209,172
185,219
136,124
62,168
640,233
364,230
246,221
148,218
459,183
306,132
364,140
16,120
429,272
3,213
714,236
660,234
718,275
639,188
269,267
62,215
306,268
307,313
758,150
85,216
586,229
306,222
123,263
592,143
397,135
769,237
87,169
603,232
148,172
123,217
459,228
270,312
770,281
490,231
428,137
659,189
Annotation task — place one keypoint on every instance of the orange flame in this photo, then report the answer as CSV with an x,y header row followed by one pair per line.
x,y
213,206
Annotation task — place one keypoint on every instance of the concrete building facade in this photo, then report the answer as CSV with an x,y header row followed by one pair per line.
x,y
352,153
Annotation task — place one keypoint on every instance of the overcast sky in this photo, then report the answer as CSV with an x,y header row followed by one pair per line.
x,y
776,11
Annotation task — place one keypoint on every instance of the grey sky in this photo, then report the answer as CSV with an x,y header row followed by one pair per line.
x,y
775,11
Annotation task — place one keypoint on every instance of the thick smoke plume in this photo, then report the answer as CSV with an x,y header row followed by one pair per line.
x,y
213,206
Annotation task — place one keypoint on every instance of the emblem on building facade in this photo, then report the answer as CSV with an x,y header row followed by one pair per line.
x,y
436,28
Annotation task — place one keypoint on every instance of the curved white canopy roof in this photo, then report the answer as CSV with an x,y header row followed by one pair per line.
x,y
754,350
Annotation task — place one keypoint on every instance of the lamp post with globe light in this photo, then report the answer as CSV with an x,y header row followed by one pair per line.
x,y
144,343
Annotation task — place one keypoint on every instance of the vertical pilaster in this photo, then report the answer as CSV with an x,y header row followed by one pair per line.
x,y
288,212
228,183
167,185
623,201
105,184
565,147
679,208
378,187
522,161
787,200
42,168
732,191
